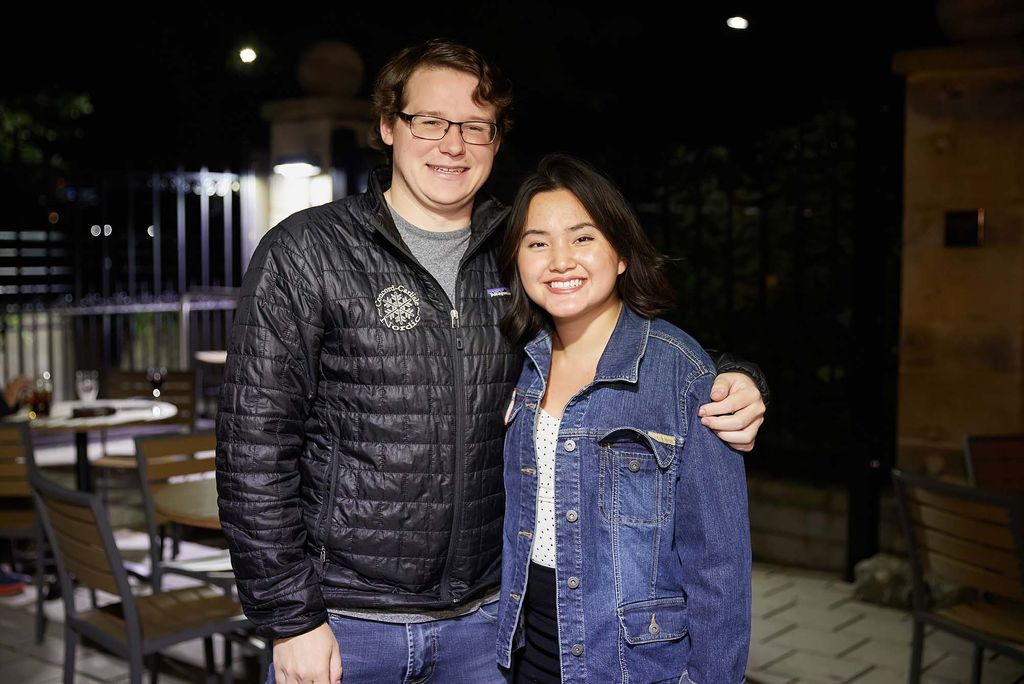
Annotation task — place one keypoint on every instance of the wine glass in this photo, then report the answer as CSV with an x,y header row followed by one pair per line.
x,y
87,385
156,377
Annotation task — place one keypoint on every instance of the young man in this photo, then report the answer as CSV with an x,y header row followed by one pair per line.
x,y
360,430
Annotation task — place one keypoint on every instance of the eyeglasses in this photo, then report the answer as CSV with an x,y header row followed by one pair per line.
x,y
434,128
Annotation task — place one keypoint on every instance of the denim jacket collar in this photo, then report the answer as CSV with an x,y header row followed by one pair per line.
x,y
621,358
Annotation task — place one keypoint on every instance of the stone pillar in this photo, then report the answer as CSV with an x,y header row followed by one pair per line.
x,y
305,128
962,307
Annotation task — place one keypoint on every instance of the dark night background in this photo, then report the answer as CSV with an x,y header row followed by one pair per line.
x,y
767,161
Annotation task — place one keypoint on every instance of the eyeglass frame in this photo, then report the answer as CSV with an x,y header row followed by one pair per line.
x,y
407,118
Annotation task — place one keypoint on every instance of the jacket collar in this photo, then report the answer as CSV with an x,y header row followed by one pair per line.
x,y
488,213
620,360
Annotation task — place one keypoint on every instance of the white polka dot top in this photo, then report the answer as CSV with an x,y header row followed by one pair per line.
x,y
545,441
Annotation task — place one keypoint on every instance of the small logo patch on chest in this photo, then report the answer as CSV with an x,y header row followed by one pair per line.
x,y
398,307
498,292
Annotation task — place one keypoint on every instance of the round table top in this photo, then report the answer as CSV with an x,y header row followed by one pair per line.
x,y
212,356
191,502
126,412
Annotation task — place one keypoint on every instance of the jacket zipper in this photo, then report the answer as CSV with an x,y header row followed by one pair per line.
x,y
459,389
325,513
460,449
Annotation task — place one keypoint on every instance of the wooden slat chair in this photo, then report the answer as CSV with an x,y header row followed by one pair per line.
x,y
974,539
18,519
160,458
995,463
116,471
136,626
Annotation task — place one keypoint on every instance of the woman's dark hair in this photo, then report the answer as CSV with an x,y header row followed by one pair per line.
x,y
389,89
643,287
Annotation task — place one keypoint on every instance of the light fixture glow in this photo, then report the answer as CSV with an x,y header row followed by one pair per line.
x,y
247,55
738,23
107,230
151,231
297,170
95,230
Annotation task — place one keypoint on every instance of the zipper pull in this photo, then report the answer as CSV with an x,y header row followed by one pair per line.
x,y
323,554
455,318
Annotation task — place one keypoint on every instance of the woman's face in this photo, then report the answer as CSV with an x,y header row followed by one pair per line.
x,y
565,263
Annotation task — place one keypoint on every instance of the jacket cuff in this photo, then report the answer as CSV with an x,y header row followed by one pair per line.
x,y
290,628
726,362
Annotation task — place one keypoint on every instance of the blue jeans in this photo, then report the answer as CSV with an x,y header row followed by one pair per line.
x,y
455,651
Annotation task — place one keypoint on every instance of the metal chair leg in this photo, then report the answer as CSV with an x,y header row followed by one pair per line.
x,y
227,676
70,642
136,668
154,667
39,580
211,663
916,653
979,652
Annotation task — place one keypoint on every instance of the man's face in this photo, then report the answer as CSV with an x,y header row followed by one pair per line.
x,y
435,181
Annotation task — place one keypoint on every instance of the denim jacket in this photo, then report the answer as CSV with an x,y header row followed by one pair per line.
x,y
652,535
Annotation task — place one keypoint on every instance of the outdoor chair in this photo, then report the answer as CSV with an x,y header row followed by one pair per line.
x,y
160,458
134,627
995,463
18,519
973,539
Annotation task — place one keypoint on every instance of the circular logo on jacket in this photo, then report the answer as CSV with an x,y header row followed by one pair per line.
x,y
398,307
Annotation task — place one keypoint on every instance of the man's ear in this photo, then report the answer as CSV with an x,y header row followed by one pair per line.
x,y
387,131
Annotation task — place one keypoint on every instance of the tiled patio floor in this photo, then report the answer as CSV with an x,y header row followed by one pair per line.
x,y
807,629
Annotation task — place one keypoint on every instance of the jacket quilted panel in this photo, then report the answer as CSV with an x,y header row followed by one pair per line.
x,y
360,428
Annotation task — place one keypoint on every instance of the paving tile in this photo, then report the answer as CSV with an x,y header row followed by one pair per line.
x,y
824,643
814,595
881,675
51,650
767,582
766,678
766,605
761,629
891,655
762,655
1001,667
810,616
26,670
957,667
9,653
945,641
880,623
812,666
98,665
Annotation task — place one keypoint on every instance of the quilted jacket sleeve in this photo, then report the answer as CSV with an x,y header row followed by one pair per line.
x,y
270,380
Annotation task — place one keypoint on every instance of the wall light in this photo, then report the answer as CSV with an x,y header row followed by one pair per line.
x,y
297,166
738,23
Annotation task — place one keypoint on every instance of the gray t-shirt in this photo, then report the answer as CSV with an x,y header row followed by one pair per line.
x,y
438,252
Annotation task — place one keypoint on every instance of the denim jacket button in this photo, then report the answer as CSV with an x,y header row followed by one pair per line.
x,y
570,445
573,582
577,650
634,466
572,516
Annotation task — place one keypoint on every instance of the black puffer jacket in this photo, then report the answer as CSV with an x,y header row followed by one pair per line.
x,y
360,428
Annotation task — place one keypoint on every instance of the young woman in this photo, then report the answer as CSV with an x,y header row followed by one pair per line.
x,y
626,542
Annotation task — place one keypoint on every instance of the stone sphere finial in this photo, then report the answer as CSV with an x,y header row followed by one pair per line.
x,y
331,68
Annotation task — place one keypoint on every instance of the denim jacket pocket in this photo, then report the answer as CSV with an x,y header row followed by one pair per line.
x,y
636,480
645,622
